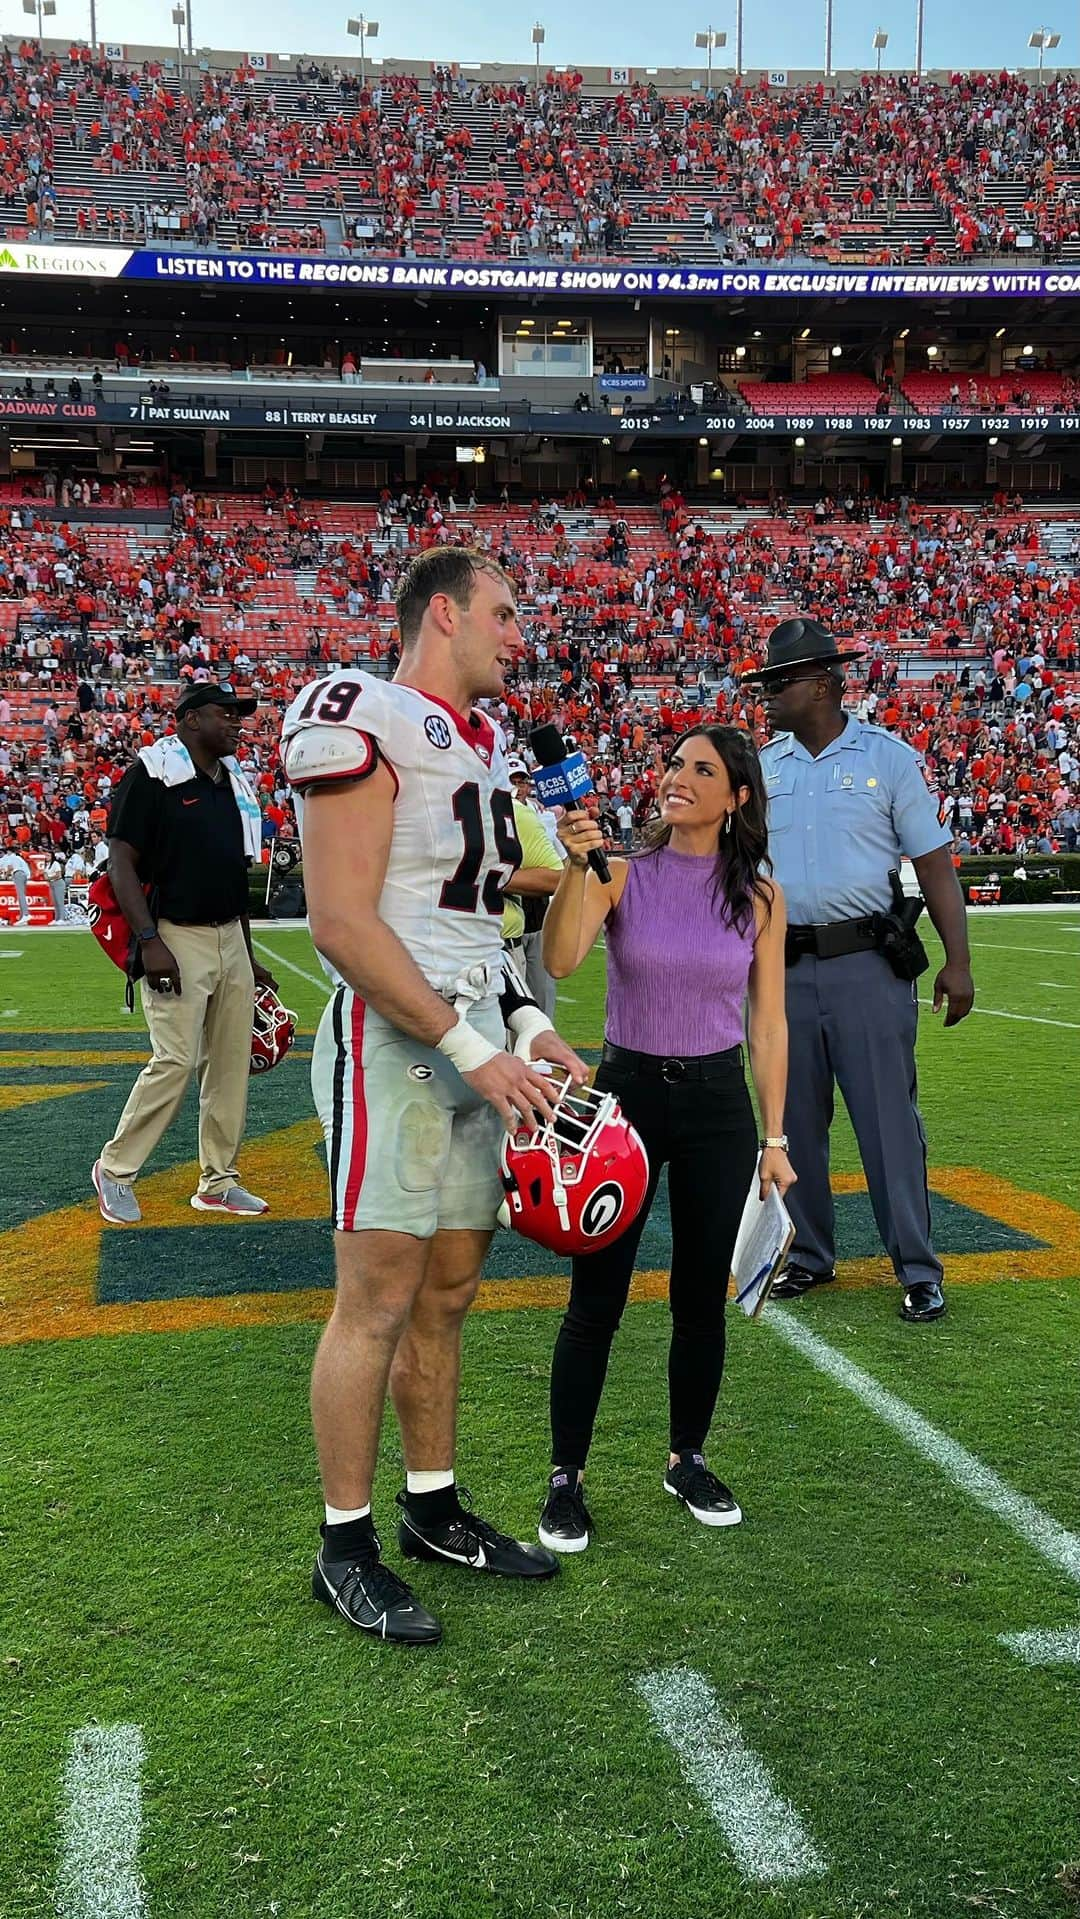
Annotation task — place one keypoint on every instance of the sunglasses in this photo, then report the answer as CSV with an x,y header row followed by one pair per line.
x,y
781,681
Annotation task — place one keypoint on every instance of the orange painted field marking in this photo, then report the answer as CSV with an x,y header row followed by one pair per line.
x,y
49,1265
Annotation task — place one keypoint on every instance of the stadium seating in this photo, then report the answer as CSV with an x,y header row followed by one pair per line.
x,y
835,393
455,164
666,606
1045,392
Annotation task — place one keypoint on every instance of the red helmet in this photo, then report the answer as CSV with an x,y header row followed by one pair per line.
x,y
579,1180
273,1029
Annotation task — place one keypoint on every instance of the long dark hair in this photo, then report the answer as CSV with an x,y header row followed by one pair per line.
x,y
742,856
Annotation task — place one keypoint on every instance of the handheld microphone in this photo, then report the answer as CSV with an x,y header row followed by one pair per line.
x,y
563,780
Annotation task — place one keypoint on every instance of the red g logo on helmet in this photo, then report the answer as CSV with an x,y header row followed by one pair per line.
x,y
580,1180
273,1030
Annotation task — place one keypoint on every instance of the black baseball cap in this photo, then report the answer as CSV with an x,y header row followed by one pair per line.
x,y
206,694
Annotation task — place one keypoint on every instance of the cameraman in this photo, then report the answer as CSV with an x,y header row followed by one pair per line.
x,y
846,802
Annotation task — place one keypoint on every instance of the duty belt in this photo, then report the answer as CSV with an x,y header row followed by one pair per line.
x,y
832,939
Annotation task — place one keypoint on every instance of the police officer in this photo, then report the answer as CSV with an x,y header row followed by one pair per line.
x,y
846,802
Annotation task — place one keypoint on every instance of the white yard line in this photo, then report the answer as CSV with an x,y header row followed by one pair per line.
x,y
1014,946
280,960
763,1830
1044,1648
1025,1019
102,1815
1058,985
1050,1540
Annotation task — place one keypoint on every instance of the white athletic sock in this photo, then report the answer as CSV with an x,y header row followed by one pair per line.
x,y
341,1515
429,1482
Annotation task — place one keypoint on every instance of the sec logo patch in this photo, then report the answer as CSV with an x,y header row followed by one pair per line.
x,y
437,730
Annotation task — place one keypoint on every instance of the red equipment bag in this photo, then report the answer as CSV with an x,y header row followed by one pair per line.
x,y
113,934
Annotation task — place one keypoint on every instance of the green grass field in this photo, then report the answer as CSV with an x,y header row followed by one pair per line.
x,y
158,1505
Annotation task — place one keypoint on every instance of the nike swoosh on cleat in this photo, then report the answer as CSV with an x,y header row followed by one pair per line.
x,y
458,1559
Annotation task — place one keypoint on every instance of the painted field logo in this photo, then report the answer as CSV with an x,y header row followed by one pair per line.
x,y
67,1275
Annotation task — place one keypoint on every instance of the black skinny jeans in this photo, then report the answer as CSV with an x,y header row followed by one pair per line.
x,y
705,1131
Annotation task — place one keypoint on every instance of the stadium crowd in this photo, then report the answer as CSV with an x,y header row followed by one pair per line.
x,y
395,161
630,637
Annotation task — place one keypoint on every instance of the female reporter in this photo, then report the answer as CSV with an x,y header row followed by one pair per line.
x,y
694,930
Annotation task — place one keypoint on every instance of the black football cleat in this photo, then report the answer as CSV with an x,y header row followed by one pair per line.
x,y
467,1540
373,1598
922,1303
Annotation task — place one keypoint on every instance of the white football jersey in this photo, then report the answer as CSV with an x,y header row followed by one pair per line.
x,y
454,844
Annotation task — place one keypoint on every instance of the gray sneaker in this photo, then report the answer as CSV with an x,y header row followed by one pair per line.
x,y
116,1202
236,1200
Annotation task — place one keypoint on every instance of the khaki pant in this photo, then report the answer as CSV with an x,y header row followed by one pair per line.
x,y
206,1030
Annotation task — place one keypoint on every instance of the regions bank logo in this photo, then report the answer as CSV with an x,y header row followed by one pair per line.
x,y
103,263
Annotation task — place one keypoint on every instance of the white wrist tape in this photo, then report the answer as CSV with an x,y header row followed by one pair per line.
x,y
524,1026
465,1048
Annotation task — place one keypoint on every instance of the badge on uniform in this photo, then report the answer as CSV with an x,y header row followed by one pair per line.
x,y
871,782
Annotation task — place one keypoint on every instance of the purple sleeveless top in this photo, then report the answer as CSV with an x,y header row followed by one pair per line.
x,y
677,971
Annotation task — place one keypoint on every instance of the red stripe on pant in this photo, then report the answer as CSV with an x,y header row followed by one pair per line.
x,y
358,1152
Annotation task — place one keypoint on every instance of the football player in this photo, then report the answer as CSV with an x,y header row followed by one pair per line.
x,y
406,817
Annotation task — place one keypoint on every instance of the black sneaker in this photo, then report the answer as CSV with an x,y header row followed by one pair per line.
x,y
701,1492
565,1520
465,1539
794,1281
370,1596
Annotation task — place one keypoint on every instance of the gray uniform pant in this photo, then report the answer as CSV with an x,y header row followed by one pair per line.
x,y
537,978
852,1023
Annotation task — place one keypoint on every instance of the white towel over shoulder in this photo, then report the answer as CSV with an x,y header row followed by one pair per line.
x,y
168,760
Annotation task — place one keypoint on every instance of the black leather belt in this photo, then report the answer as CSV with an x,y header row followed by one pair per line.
x,y
655,1066
195,924
832,939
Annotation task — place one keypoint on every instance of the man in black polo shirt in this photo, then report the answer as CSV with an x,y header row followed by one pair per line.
x,y
185,823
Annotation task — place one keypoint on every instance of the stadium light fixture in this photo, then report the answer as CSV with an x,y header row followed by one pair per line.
x,y
836,352
703,441
45,9
362,30
1046,41
799,440
710,39
880,42
539,35
932,352
993,440
179,20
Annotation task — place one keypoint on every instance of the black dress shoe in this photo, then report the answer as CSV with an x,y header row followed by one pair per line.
x,y
923,1302
794,1281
